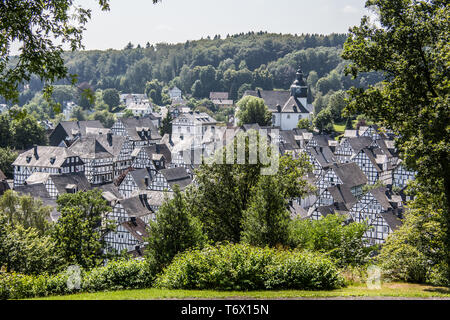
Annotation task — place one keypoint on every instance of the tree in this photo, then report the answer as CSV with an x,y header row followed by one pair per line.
x,y
224,188
111,98
79,232
26,211
7,157
106,118
41,28
78,114
336,104
6,136
175,230
305,124
25,250
153,89
28,132
166,126
410,47
332,235
253,110
324,121
265,221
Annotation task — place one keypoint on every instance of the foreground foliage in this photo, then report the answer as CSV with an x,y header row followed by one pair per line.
x,y
242,267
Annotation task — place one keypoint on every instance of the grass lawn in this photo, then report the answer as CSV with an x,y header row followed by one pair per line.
x,y
387,290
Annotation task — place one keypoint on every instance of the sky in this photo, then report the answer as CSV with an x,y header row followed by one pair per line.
x,y
174,21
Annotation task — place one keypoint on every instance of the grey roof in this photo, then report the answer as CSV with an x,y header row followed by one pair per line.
x,y
64,180
139,176
112,143
136,206
158,148
44,156
293,105
37,190
137,228
359,143
135,125
391,219
72,127
218,95
350,174
111,188
177,176
90,148
297,210
271,98
342,194
154,198
321,139
323,155
381,194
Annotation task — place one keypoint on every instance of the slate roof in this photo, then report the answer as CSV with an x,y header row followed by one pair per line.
x,y
342,194
293,105
139,177
90,148
112,144
350,174
323,155
37,190
62,181
359,143
178,176
137,228
158,149
45,154
70,129
136,206
154,198
218,95
381,194
135,125
271,98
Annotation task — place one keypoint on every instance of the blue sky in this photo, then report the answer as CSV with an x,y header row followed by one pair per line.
x,y
173,21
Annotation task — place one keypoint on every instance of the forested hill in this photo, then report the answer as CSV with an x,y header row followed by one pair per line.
x,y
234,64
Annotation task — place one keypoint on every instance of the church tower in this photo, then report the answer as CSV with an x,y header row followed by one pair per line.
x,y
299,89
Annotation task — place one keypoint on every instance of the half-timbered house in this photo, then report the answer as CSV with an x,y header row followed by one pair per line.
x,y
379,211
53,160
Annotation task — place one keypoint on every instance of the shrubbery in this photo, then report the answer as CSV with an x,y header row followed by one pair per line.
x,y
116,275
242,267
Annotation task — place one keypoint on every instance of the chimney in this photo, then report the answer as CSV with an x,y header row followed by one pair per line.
x,y
109,138
146,179
35,151
133,221
157,148
278,108
259,93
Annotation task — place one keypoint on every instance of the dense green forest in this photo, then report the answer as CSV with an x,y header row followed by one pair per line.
x,y
237,63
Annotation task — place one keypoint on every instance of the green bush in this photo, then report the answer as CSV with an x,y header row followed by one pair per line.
x,y
332,236
116,275
243,267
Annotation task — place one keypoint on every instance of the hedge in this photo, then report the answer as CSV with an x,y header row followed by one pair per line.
x,y
243,267
116,275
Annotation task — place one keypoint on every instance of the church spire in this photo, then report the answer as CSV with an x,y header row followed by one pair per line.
x,y
298,87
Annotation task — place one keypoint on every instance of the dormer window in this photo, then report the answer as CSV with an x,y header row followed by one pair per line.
x,y
52,160
28,159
